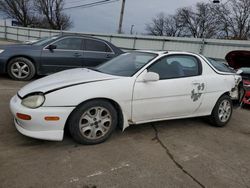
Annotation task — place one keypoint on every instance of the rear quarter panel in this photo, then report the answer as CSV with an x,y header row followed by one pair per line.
x,y
216,86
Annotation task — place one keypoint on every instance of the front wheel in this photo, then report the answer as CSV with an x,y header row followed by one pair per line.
x,y
222,111
93,122
21,68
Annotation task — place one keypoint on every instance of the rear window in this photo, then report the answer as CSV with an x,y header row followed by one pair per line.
x,y
246,70
220,66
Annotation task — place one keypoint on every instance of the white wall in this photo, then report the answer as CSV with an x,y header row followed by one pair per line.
x,y
209,47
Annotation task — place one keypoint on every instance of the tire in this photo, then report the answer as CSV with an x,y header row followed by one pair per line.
x,y
21,69
93,122
222,111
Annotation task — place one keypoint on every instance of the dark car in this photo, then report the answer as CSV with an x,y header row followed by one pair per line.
x,y
53,54
240,59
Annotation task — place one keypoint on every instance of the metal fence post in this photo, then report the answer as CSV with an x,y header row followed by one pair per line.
x,y
17,30
134,44
28,34
202,46
163,44
5,29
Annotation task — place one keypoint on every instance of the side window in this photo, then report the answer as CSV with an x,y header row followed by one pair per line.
x,y
176,66
97,46
69,44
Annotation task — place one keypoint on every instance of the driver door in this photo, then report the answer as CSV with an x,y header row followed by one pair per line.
x,y
178,93
67,54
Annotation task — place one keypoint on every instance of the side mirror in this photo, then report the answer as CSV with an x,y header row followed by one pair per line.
x,y
151,77
51,47
239,71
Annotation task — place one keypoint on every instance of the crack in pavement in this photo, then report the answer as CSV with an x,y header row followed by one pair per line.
x,y
172,157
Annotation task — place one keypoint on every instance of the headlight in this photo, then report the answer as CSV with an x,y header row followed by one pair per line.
x,y
33,101
1,51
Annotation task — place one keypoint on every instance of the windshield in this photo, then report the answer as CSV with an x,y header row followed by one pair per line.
x,y
44,40
220,66
126,64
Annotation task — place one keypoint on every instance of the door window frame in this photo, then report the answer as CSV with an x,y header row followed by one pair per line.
x,y
200,70
68,50
84,46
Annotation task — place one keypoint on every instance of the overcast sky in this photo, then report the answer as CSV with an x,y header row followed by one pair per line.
x,y
105,18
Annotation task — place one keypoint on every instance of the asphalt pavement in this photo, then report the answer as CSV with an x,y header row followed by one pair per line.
x,y
179,153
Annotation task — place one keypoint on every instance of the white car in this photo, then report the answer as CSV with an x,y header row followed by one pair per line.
x,y
134,88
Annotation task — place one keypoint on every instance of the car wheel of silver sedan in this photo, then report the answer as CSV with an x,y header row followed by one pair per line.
x,y
21,68
93,122
222,111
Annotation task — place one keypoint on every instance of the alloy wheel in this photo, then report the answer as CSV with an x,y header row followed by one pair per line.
x,y
20,70
95,123
224,111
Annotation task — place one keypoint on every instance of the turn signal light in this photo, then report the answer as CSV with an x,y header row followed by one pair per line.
x,y
23,116
52,118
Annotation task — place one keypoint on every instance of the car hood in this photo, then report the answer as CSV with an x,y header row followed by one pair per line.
x,y
64,79
238,59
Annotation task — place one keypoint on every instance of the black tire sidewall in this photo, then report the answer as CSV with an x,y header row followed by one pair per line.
x,y
73,122
27,62
214,118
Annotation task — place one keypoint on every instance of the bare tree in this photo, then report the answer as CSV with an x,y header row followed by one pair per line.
x,y
21,10
234,19
157,26
37,13
164,26
188,22
173,27
220,13
230,20
52,15
198,23
206,24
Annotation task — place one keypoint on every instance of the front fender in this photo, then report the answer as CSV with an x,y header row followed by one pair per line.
x,y
119,91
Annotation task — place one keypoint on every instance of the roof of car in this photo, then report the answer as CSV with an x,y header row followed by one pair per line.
x,y
164,52
153,52
82,35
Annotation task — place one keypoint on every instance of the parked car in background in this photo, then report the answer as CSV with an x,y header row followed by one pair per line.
x,y
53,54
133,88
240,60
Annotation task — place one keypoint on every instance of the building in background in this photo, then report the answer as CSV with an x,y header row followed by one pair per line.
x,y
9,22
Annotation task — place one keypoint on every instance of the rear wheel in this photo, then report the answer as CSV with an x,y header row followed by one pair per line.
x,y
222,111
93,122
21,68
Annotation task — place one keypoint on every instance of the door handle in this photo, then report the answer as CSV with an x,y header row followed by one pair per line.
x,y
76,54
108,56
